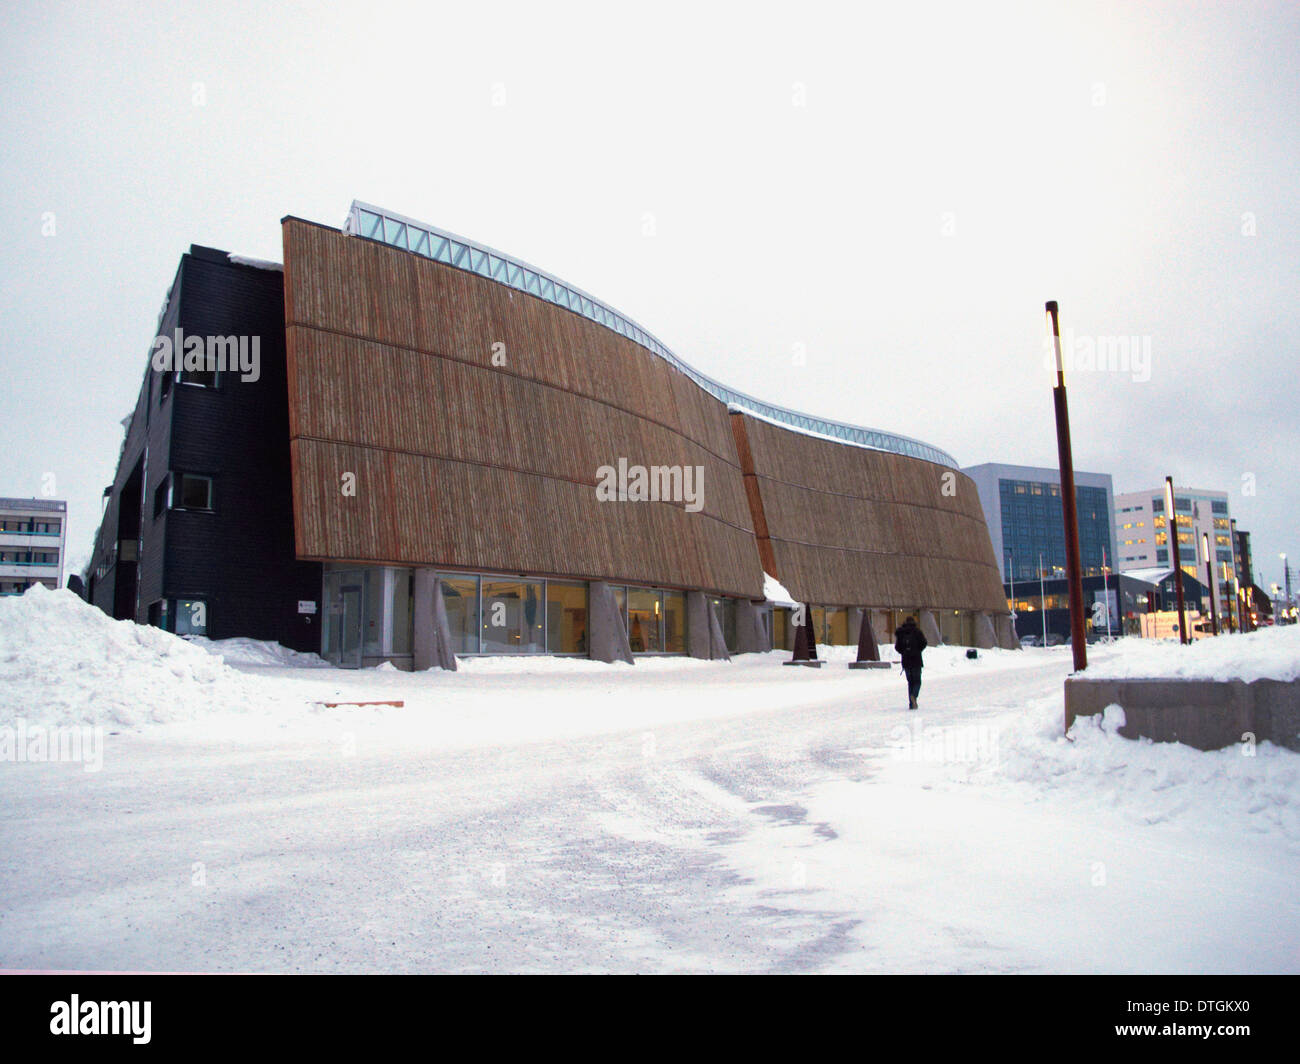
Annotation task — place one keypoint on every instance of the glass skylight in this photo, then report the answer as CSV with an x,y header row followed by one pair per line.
x,y
417,238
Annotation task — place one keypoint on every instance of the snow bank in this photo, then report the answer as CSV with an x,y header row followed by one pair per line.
x,y
242,651
1255,787
1269,654
62,661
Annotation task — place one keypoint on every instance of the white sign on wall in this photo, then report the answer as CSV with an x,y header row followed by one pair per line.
x,y
306,607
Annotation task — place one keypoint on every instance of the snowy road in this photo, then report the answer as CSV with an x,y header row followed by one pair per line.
x,y
774,839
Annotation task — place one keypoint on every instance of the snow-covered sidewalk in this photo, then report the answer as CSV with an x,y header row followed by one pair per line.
x,y
675,815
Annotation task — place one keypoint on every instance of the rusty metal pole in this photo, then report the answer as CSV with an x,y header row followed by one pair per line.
x,y
1069,504
1171,523
1209,585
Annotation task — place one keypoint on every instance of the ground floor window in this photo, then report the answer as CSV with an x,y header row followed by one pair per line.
x,y
184,616
831,625
460,600
367,613
502,615
654,618
782,628
191,617
566,617
957,627
511,617
644,631
17,587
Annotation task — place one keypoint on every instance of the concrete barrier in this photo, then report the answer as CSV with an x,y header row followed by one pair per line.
x,y
1205,714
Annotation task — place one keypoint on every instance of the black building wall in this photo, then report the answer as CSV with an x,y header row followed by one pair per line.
x,y
237,557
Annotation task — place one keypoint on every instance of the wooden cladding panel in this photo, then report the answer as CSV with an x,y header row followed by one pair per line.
x,y
417,510
358,392
852,526
425,305
465,464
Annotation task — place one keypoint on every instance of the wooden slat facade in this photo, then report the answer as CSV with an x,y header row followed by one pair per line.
x,y
461,463
850,526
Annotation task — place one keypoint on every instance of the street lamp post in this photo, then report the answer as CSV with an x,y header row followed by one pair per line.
x,y
1105,591
1042,598
1171,523
1209,584
1069,503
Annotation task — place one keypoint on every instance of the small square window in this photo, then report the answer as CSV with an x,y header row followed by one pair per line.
x,y
191,617
195,492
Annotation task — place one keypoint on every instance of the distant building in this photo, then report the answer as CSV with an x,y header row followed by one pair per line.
x,y
33,534
1245,567
1022,508
1142,533
1115,604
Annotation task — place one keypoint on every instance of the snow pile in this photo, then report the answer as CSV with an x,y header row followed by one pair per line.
x,y
62,661
243,651
1269,654
1256,787
775,592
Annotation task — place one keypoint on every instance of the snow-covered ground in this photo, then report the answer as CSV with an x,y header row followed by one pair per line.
x,y
675,815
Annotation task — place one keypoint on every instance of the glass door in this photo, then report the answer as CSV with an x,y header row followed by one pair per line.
x,y
349,627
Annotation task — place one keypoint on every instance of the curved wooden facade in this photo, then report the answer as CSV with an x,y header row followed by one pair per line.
x,y
847,526
475,417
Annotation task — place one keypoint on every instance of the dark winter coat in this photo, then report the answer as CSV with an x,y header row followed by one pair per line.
x,y
909,641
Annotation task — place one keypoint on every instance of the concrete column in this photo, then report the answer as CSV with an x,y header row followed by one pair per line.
x,y
751,634
430,633
606,632
985,637
703,633
1007,638
929,625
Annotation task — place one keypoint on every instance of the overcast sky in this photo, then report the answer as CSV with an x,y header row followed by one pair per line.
x,y
889,192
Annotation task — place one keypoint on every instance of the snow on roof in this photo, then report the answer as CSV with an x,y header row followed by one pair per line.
x,y
774,592
1149,576
261,264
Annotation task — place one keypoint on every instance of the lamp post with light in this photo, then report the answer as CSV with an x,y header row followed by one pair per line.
x,y
1069,504
1209,584
1171,523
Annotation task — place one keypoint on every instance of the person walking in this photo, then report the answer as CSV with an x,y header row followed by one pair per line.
x,y
909,641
